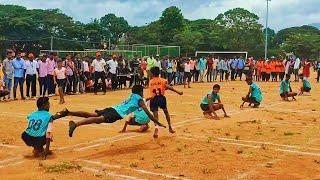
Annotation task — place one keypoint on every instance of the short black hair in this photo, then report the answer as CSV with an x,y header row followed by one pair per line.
x,y
137,89
288,75
216,86
155,71
42,101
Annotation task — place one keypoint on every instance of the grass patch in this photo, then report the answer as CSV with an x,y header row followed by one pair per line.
x,y
133,165
157,166
62,167
288,133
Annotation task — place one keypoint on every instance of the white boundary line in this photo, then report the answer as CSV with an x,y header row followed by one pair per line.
x,y
111,174
258,146
140,171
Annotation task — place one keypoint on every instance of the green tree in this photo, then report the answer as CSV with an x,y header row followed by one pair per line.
x,y
114,27
239,30
171,23
188,40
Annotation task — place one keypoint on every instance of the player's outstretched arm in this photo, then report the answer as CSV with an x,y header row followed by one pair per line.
x,y
152,118
174,90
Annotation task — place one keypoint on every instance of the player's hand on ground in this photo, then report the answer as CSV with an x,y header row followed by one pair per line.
x,y
180,93
241,106
171,130
226,116
216,118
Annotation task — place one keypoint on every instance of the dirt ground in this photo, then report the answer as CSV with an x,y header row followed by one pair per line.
x,y
279,140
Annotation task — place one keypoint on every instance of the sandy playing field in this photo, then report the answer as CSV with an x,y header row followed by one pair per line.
x,y
280,140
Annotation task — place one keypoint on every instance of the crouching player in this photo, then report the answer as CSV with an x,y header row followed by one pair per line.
x,y
254,95
286,90
137,118
306,86
39,130
114,113
209,105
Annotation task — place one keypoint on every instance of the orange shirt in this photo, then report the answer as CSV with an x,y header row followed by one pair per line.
x,y
268,68
263,67
273,66
157,86
277,66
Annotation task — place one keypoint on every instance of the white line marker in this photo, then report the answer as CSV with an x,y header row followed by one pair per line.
x,y
132,169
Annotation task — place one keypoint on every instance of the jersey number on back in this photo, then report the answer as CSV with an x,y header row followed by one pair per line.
x,y
34,124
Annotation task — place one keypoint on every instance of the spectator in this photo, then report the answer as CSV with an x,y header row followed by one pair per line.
x,y
318,71
209,68
233,66
214,68
43,72
78,72
98,65
7,70
164,67
86,71
113,68
296,68
202,68
240,67
19,74
51,66
70,68
306,68
31,76
170,70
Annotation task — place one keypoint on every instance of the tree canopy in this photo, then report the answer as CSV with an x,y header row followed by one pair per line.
x,y
234,30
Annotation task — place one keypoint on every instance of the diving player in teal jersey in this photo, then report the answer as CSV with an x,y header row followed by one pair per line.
x,y
112,114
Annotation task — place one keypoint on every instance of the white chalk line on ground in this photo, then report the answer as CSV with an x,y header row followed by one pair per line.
x,y
257,146
111,174
140,171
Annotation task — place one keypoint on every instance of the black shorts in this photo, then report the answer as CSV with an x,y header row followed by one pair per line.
x,y
306,89
36,142
187,76
61,83
204,107
4,93
110,115
253,100
283,94
158,102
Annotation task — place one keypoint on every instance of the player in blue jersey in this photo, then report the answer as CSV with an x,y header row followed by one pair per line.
x,y
254,95
286,90
114,113
39,130
211,103
306,85
137,118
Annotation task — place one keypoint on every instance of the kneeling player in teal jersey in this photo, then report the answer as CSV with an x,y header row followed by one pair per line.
x,y
209,105
137,118
254,95
286,90
306,86
39,130
112,114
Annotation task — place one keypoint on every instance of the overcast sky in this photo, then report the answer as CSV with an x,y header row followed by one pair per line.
x,y
283,13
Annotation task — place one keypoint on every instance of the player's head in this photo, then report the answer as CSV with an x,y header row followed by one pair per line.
x,y
287,77
301,76
43,103
59,63
216,88
249,80
155,71
137,89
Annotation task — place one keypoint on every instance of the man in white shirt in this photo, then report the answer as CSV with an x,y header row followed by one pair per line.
x,y
215,68
113,67
31,75
296,68
98,65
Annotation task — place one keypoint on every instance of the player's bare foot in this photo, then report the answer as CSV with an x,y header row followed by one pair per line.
x,y
72,127
207,116
122,131
171,130
226,116
155,134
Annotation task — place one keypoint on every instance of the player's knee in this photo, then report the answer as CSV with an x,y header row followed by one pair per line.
x,y
244,99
